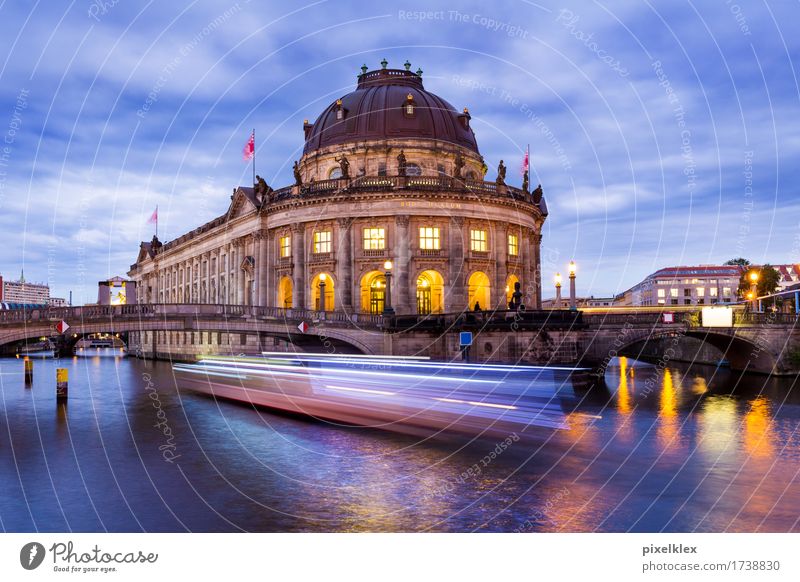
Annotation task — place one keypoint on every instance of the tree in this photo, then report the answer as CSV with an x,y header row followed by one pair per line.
x,y
741,261
768,281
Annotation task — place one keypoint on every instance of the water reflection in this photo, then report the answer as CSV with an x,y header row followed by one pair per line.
x,y
758,435
674,449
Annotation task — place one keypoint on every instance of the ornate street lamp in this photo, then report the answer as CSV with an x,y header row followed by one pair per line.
x,y
753,289
387,302
558,290
322,278
573,304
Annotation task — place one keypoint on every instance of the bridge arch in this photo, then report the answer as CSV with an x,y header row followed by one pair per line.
x,y
743,353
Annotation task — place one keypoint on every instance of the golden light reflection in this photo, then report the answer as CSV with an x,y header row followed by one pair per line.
x,y
623,395
699,386
624,399
668,412
758,433
718,427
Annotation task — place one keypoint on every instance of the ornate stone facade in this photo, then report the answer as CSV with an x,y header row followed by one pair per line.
x,y
414,194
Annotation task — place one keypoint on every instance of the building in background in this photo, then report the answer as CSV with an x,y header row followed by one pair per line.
x,y
701,285
57,302
581,302
22,291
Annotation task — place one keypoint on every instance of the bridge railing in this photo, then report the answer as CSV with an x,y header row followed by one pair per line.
x,y
497,319
765,318
163,310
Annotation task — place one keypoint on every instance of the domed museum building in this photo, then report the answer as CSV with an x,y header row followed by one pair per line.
x,y
391,181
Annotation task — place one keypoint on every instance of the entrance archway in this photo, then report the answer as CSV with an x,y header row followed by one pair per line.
x,y
479,290
512,279
285,292
373,292
315,292
430,292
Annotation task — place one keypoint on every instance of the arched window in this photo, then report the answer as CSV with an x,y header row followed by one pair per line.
x,y
479,287
373,292
335,173
430,292
322,282
413,170
285,293
512,279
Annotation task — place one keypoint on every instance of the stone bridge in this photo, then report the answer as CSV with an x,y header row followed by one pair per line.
x,y
758,342
172,330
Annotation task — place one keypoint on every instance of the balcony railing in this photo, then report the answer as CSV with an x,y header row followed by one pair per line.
x,y
430,252
374,252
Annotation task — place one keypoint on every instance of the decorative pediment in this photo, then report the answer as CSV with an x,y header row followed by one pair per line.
x,y
248,265
242,203
144,252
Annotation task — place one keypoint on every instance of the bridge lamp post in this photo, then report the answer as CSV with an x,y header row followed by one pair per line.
x,y
322,278
573,302
387,302
753,288
558,290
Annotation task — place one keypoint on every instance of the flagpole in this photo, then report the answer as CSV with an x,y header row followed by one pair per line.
x,y
254,156
156,220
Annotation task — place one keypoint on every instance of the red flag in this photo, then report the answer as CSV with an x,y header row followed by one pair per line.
x,y
154,217
250,148
526,161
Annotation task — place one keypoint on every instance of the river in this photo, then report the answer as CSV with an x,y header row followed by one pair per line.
x,y
679,449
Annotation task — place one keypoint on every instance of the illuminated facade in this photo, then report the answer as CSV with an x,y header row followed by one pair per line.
x,y
703,285
389,172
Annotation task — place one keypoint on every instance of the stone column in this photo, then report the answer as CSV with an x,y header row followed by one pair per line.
x,y
401,298
457,299
241,252
262,268
500,252
298,266
270,292
344,265
536,240
156,286
528,286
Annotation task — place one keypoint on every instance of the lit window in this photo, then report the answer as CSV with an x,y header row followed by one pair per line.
x,y
322,241
712,291
513,245
409,105
286,246
701,291
662,293
374,239
726,291
429,238
673,292
477,240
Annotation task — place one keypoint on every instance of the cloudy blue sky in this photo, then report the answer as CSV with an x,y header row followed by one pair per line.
x,y
662,133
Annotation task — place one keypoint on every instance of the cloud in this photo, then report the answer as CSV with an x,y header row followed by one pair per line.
x,y
145,106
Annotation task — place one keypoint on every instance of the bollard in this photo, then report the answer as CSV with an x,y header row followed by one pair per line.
x,y
28,363
62,383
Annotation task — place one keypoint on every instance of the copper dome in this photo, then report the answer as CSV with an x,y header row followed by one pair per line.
x,y
377,110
